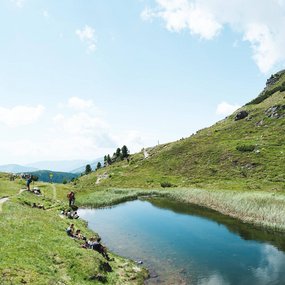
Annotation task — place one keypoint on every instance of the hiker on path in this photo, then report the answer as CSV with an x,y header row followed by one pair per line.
x,y
29,181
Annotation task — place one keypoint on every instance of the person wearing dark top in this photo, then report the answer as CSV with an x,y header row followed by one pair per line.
x,y
96,245
71,198
29,181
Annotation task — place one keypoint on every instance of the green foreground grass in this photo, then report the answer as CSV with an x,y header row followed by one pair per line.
x,y
36,250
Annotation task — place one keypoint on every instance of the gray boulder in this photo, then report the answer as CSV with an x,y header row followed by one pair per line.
x,y
241,115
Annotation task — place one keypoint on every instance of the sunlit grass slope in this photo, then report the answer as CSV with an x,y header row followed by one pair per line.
x,y
232,154
35,248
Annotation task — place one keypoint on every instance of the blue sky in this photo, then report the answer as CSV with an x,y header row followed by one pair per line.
x,y
80,78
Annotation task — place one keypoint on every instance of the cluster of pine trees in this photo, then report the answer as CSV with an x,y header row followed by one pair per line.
x,y
119,155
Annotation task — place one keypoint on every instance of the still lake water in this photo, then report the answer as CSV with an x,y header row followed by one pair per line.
x,y
187,244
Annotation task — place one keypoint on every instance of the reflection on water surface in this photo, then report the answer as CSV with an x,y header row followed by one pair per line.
x,y
186,244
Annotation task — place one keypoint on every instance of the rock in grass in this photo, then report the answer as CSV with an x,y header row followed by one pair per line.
x,y
106,267
99,277
241,115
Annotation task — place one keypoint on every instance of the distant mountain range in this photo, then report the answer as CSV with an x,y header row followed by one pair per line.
x,y
67,166
15,168
92,164
62,165
54,176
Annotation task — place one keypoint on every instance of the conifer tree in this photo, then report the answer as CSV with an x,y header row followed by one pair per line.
x,y
125,152
118,152
99,165
88,169
109,161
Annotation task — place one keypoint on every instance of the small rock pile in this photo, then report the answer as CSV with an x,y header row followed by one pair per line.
x,y
275,112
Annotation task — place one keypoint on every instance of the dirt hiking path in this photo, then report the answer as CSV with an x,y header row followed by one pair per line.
x,y
2,201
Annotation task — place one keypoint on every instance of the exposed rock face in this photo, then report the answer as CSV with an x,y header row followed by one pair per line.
x,y
241,115
275,112
271,80
274,78
101,177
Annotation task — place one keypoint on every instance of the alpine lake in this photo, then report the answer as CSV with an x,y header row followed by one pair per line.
x,y
188,244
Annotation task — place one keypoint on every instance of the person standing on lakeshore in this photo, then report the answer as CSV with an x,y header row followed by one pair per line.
x,y
71,198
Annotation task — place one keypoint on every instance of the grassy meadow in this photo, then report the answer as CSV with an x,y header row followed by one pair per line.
x,y
35,248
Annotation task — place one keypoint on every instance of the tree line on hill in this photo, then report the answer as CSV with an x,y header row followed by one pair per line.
x,y
49,176
119,155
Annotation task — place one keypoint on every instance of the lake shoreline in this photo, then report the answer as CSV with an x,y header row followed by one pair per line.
x,y
163,234
262,209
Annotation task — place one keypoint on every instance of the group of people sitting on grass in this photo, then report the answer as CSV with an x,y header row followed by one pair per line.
x,y
39,206
70,214
36,191
92,243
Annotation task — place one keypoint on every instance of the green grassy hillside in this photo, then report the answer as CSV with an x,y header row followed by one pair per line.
x,y
35,248
233,154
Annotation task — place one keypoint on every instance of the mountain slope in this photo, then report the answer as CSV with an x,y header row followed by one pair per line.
x,y
231,151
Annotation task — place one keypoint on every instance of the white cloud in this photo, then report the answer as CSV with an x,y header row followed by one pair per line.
x,y
80,135
84,132
83,122
62,145
181,14
215,279
260,22
19,3
133,139
263,43
79,124
52,148
79,104
78,132
226,109
271,266
20,115
87,35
